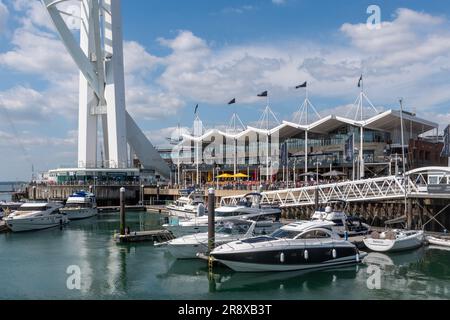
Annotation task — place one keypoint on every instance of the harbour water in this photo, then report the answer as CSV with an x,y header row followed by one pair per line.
x,y
34,266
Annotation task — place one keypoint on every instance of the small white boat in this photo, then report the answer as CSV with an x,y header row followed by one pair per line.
x,y
36,216
188,207
187,247
439,241
394,240
248,208
80,205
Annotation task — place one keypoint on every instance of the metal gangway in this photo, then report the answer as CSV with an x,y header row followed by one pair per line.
x,y
417,183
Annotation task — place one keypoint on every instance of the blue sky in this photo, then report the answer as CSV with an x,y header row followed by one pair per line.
x,y
180,53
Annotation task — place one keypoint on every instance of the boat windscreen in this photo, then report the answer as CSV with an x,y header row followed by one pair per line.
x,y
259,239
285,234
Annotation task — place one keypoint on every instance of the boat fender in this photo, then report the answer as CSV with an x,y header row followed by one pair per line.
x,y
306,254
334,252
357,257
282,257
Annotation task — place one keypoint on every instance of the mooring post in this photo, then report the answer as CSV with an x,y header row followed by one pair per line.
x,y
142,194
157,194
409,214
122,211
211,219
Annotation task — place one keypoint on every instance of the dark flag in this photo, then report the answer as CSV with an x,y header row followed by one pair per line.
x,y
446,150
263,94
360,81
349,149
232,101
302,85
196,109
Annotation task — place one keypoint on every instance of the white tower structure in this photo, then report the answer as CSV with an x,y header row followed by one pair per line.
x,y
99,57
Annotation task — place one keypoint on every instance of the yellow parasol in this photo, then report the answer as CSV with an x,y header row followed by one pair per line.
x,y
240,175
225,176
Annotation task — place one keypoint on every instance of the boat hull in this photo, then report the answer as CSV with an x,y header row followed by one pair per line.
x,y
386,245
32,224
286,259
253,267
187,251
439,242
79,214
185,214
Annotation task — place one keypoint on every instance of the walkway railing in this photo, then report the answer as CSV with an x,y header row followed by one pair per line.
x,y
414,184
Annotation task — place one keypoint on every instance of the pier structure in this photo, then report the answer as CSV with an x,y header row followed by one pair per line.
x,y
99,57
421,196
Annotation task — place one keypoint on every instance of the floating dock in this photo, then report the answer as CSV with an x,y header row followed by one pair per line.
x,y
3,227
145,236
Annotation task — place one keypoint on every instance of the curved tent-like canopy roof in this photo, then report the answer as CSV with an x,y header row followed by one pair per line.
x,y
390,120
386,121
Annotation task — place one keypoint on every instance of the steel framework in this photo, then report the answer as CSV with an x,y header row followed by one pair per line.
x,y
413,185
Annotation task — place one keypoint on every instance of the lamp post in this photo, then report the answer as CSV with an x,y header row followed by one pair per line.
x,y
318,163
295,164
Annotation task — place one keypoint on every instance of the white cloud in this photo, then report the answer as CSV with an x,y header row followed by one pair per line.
x,y
4,14
409,53
238,10
163,137
34,141
38,51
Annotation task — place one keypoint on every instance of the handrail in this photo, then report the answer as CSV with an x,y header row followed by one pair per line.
x,y
390,187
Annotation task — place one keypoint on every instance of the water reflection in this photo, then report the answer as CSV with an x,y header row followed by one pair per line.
x,y
287,281
412,274
223,279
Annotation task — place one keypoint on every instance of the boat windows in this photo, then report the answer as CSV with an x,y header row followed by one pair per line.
x,y
285,234
315,234
77,205
258,239
37,208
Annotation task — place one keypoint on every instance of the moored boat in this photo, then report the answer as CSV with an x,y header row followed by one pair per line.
x,y
288,249
187,247
36,216
188,207
249,208
439,241
80,205
394,240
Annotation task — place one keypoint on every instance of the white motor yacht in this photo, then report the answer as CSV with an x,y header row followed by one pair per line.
x,y
188,207
80,205
340,222
187,247
36,216
249,208
394,240
288,249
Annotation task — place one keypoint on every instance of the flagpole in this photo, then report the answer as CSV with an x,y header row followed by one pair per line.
x,y
353,155
306,132
361,152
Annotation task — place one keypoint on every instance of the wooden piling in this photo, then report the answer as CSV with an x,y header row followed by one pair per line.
x,y
122,211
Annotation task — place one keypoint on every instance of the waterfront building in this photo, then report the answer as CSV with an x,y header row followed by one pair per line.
x,y
286,151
